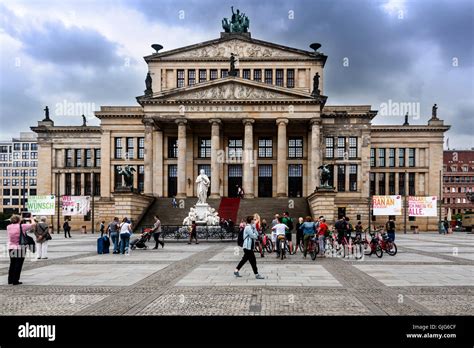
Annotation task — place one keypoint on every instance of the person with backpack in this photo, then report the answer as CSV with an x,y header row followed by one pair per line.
x,y
340,226
246,240
390,228
42,237
66,228
288,221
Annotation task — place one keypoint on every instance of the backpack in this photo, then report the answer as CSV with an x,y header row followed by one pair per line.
x,y
290,224
240,237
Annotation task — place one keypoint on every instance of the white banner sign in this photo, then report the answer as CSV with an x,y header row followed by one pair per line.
x,y
422,206
76,205
41,205
387,205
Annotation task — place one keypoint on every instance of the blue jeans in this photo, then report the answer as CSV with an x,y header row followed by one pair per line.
x,y
124,242
391,235
115,239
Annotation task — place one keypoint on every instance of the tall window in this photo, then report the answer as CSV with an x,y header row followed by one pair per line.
x,y
353,177
279,77
411,184
213,74
372,157
401,157
257,75
269,76
88,158
381,184
352,147
224,73
411,157
96,184
97,158
130,150
34,147
204,147
391,157
341,147
202,75
17,146
290,78
381,157
78,157
246,74
329,147
141,178
25,147
391,183
68,185
265,148
341,177
372,184
77,184
118,148
206,168
69,158
87,184
117,177
191,77
141,148
180,78
172,147
235,148
295,147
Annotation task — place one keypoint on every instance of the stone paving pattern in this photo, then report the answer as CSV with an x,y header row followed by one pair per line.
x,y
431,275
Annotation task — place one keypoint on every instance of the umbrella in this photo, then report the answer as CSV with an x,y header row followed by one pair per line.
x,y
449,215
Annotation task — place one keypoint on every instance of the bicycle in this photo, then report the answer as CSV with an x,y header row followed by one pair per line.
x,y
387,244
313,248
372,246
281,240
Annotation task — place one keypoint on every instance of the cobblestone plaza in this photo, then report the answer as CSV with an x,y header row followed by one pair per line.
x,y
430,275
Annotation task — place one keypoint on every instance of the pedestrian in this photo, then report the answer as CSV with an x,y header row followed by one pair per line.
x,y
288,221
340,226
257,222
193,233
446,224
66,228
390,228
299,231
156,232
280,230
358,230
309,230
174,204
114,230
102,228
264,225
15,250
230,225
125,233
42,238
323,232
250,235
275,222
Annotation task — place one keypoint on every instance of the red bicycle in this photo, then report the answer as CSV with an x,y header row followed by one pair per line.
x,y
387,244
373,246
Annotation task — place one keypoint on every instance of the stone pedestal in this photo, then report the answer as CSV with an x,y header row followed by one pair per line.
x,y
201,211
322,202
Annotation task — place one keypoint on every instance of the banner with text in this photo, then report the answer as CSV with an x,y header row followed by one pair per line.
x,y
387,205
422,206
41,205
76,205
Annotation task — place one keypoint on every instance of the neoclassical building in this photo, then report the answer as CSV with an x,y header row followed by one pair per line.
x,y
250,113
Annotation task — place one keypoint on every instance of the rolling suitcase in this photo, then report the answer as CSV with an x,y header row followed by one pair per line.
x,y
100,245
105,245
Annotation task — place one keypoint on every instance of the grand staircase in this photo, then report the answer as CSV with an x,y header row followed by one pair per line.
x,y
229,208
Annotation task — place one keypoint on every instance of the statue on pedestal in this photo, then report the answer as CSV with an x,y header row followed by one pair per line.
x,y
203,184
434,112
46,114
148,85
316,91
127,174
326,176
239,22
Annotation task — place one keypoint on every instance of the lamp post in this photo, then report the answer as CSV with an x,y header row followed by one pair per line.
x,y
58,193
405,205
92,197
24,189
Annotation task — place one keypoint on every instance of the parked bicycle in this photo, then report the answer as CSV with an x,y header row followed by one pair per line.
x,y
387,244
372,246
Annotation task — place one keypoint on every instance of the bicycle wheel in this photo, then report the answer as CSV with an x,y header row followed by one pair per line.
x,y
316,247
269,246
282,250
291,248
391,249
313,252
378,251
301,246
358,251
367,248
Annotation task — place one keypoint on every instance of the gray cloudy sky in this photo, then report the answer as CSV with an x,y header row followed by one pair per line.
x,y
76,55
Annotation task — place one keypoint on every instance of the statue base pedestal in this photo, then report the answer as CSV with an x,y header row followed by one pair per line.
x,y
322,202
201,210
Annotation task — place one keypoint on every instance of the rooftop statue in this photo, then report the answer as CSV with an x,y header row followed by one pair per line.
x,y
239,22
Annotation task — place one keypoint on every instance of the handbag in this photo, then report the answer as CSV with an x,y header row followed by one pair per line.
x,y
26,241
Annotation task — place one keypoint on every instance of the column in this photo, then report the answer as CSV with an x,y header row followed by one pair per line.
x,y
248,158
282,153
157,170
105,168
148,158
315,153
215,166
181,158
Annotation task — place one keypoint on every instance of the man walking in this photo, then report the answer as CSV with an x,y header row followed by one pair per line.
x,y
250,235
67,229
156,233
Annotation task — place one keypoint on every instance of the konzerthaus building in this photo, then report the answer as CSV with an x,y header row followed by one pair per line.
x,y
261,122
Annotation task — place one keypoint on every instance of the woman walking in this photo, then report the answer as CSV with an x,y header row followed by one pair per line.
x,y
15,250
42,237
309,230
125,233
193,233
250,235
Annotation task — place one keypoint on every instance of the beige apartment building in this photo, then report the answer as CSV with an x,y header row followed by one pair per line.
x,y
260,122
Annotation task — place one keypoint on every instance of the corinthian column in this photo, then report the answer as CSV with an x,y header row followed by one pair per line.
x,y
148,160
181,158
248,158
282,151
215,166
315,153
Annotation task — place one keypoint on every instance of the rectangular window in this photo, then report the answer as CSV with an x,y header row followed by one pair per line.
x,y
15,172
6,192
25,155
279,77
206,168
224,73
68,185
130,150
69,158
411,157
97,158
6,182
265,148
204,147
34,155
295,170
401,157
381,184
15,201
118,148
34,147
391,157
381,157
141,178
87,184
341,147
78,157
213,74
96,184
32,192
33,182
141,148
77,184
295,147
353,177
329,147
372,184
411,184
341,178
16,155
25,147
15,192
88,158
17,147
257,75
290,78
235,148
352,147
391,183
202,75
372,157
172,147
246,74
6,172
180,78
6,201
269,76
117,177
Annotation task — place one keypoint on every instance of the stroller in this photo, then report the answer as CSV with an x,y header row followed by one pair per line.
x,y
140,242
